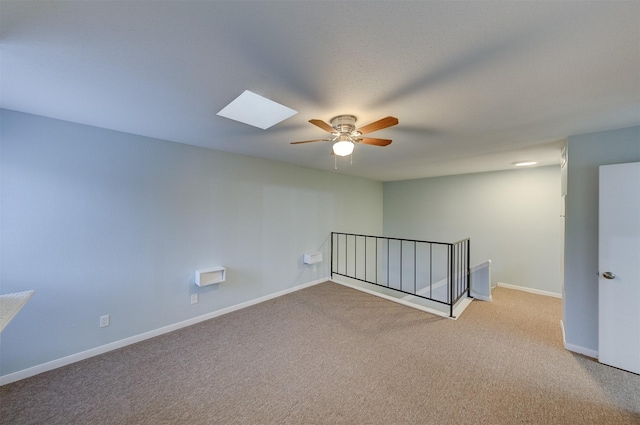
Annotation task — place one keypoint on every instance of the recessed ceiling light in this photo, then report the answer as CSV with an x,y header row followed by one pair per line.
x,y
253,109
524,163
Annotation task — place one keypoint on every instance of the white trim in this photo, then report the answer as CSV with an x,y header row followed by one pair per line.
x,y
576,348
477,296
530,290
472,292
480,266
64,361
408,303
581,350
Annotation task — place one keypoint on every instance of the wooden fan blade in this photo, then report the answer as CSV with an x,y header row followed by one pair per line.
x,y
311,141
375,142
378,125
323,125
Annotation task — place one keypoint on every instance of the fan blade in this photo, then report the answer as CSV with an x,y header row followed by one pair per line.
x,y
311,141
378,125
323,125
375,142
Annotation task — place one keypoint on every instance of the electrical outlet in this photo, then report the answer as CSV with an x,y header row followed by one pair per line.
x,y
194,298
104,321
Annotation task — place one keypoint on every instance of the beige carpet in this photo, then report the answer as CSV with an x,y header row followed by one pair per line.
x,y
332,355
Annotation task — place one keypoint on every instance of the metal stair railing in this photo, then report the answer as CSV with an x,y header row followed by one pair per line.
x,y
436,271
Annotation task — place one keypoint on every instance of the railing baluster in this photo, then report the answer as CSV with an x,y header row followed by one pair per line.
x,y
355,256
346,254
365,258
415,262
337,252
331,260
376,260
431,270
388,249
401,286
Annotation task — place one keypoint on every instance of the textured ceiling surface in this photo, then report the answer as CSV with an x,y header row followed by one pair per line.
x,y
475,85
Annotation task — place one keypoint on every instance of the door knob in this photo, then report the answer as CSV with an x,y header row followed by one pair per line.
x,y
609,275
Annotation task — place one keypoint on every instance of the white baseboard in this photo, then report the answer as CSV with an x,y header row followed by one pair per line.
x,y
530,290
576,348
54,364
398,300
477,296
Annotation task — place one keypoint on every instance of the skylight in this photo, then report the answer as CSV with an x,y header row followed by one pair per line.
x,y
250,108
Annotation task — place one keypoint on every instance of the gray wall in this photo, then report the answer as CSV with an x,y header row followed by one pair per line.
x,y
585,154
100,222
512,218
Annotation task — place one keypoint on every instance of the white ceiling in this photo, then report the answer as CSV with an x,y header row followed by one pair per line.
x,y
475,85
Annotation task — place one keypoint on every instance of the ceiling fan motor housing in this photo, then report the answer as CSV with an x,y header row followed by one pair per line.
x,y
344,123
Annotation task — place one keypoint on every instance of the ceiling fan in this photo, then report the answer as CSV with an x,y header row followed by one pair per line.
x,y
345,135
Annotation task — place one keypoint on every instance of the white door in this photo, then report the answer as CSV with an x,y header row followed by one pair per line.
x,y
619,266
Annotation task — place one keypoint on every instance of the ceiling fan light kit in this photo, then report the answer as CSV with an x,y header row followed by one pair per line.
x,y
343,148
345,135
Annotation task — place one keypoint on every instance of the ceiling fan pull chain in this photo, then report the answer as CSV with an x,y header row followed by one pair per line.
x,y
335,160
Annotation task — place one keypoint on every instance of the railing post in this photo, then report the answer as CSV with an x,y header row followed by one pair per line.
x,y
451,270
469,268
331,263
